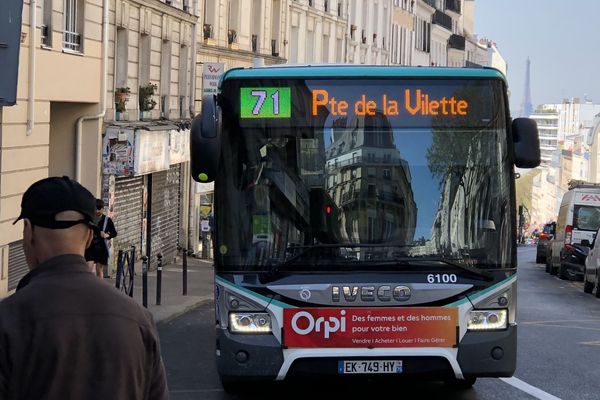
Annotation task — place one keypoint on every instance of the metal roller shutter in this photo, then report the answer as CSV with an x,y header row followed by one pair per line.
x,y
165,213
17,264
128,209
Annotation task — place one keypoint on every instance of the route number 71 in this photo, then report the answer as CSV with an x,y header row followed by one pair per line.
x,y
265,102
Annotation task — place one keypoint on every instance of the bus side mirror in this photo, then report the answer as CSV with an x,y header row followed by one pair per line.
x,y
526,143
205,141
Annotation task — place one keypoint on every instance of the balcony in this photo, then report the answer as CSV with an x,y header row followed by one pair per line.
x,y
231,36
375,161
72,41
254,43
352,32
456,42
471,64
442,19
164,106
207,31
430,3
453,5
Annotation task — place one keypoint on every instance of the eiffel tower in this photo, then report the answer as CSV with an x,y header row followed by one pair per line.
x,y
526,107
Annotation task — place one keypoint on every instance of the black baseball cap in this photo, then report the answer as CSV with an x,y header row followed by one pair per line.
x,y
50,196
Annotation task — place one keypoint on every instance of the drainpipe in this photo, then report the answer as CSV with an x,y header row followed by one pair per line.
x,y
31,88
194,58
79,124
192,225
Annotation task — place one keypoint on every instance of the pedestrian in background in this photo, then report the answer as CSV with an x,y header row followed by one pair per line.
x,y
64,334
98,253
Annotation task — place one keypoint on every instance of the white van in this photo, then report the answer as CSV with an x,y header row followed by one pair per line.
x,y
577,223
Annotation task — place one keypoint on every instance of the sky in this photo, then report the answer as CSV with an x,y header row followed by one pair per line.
x,y
562,39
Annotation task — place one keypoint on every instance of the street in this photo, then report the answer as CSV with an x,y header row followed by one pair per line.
x,y
558,348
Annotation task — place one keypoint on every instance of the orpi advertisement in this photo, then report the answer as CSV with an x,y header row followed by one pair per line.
x,y
370,327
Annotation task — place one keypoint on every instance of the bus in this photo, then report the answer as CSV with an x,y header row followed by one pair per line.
x,y
365,222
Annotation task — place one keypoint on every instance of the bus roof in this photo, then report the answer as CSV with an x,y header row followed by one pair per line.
x,y
360,71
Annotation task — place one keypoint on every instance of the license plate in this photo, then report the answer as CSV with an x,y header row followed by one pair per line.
x,y
370,367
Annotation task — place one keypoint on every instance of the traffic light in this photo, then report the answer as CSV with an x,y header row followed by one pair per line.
x,y
10,41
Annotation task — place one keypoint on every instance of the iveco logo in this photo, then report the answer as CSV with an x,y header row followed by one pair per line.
x,y
370,293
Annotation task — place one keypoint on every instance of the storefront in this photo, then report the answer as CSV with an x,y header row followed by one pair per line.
x,y
144,187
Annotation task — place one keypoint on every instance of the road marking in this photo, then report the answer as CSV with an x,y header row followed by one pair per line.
x,y
529,389
559,321
594,343
585,328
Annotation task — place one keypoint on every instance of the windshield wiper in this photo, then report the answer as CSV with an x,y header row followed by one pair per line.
x,y
276,266
285,264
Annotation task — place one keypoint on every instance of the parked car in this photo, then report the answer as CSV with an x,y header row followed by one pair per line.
x,y
591,273
544,238
578,220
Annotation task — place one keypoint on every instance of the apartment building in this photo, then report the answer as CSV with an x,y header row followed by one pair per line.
x,y
435,32
105,94
369,31
58,84
594,145
237,32
568,151
316,31
145,147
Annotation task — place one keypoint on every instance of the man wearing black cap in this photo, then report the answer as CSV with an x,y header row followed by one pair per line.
x,y
66,334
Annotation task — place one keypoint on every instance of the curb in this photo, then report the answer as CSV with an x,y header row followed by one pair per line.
x,y
184,310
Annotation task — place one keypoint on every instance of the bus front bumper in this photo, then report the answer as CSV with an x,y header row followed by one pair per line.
x,y
261,357
489,354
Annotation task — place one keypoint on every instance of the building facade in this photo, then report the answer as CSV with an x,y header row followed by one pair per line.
x,y
60,62
568,152
145,148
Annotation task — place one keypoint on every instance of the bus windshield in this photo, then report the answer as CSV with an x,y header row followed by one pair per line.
x,y
322,187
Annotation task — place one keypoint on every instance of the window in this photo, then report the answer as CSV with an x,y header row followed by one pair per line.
x,y
275,27
234,21
209,19
165,78
144,74
256,27
183,80
423,30
121,58
72,36
46,26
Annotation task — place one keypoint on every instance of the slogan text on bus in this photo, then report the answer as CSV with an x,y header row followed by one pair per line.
x,y
415,102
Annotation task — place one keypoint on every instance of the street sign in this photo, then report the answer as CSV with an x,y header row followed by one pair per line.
x,y
211,74
205,225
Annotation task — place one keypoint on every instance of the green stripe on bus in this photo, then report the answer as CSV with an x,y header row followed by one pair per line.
x,y
253,294
481,293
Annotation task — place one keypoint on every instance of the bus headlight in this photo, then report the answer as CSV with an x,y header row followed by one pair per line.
x,y
487,320
246,322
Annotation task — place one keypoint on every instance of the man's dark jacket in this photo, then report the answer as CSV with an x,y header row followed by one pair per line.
x,y
65,334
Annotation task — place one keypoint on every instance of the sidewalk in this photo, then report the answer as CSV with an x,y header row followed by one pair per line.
x,y
200,287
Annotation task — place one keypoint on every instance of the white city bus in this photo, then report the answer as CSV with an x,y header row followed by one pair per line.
x,y
365,221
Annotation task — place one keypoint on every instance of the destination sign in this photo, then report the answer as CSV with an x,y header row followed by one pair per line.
x,y
413,102
379,103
